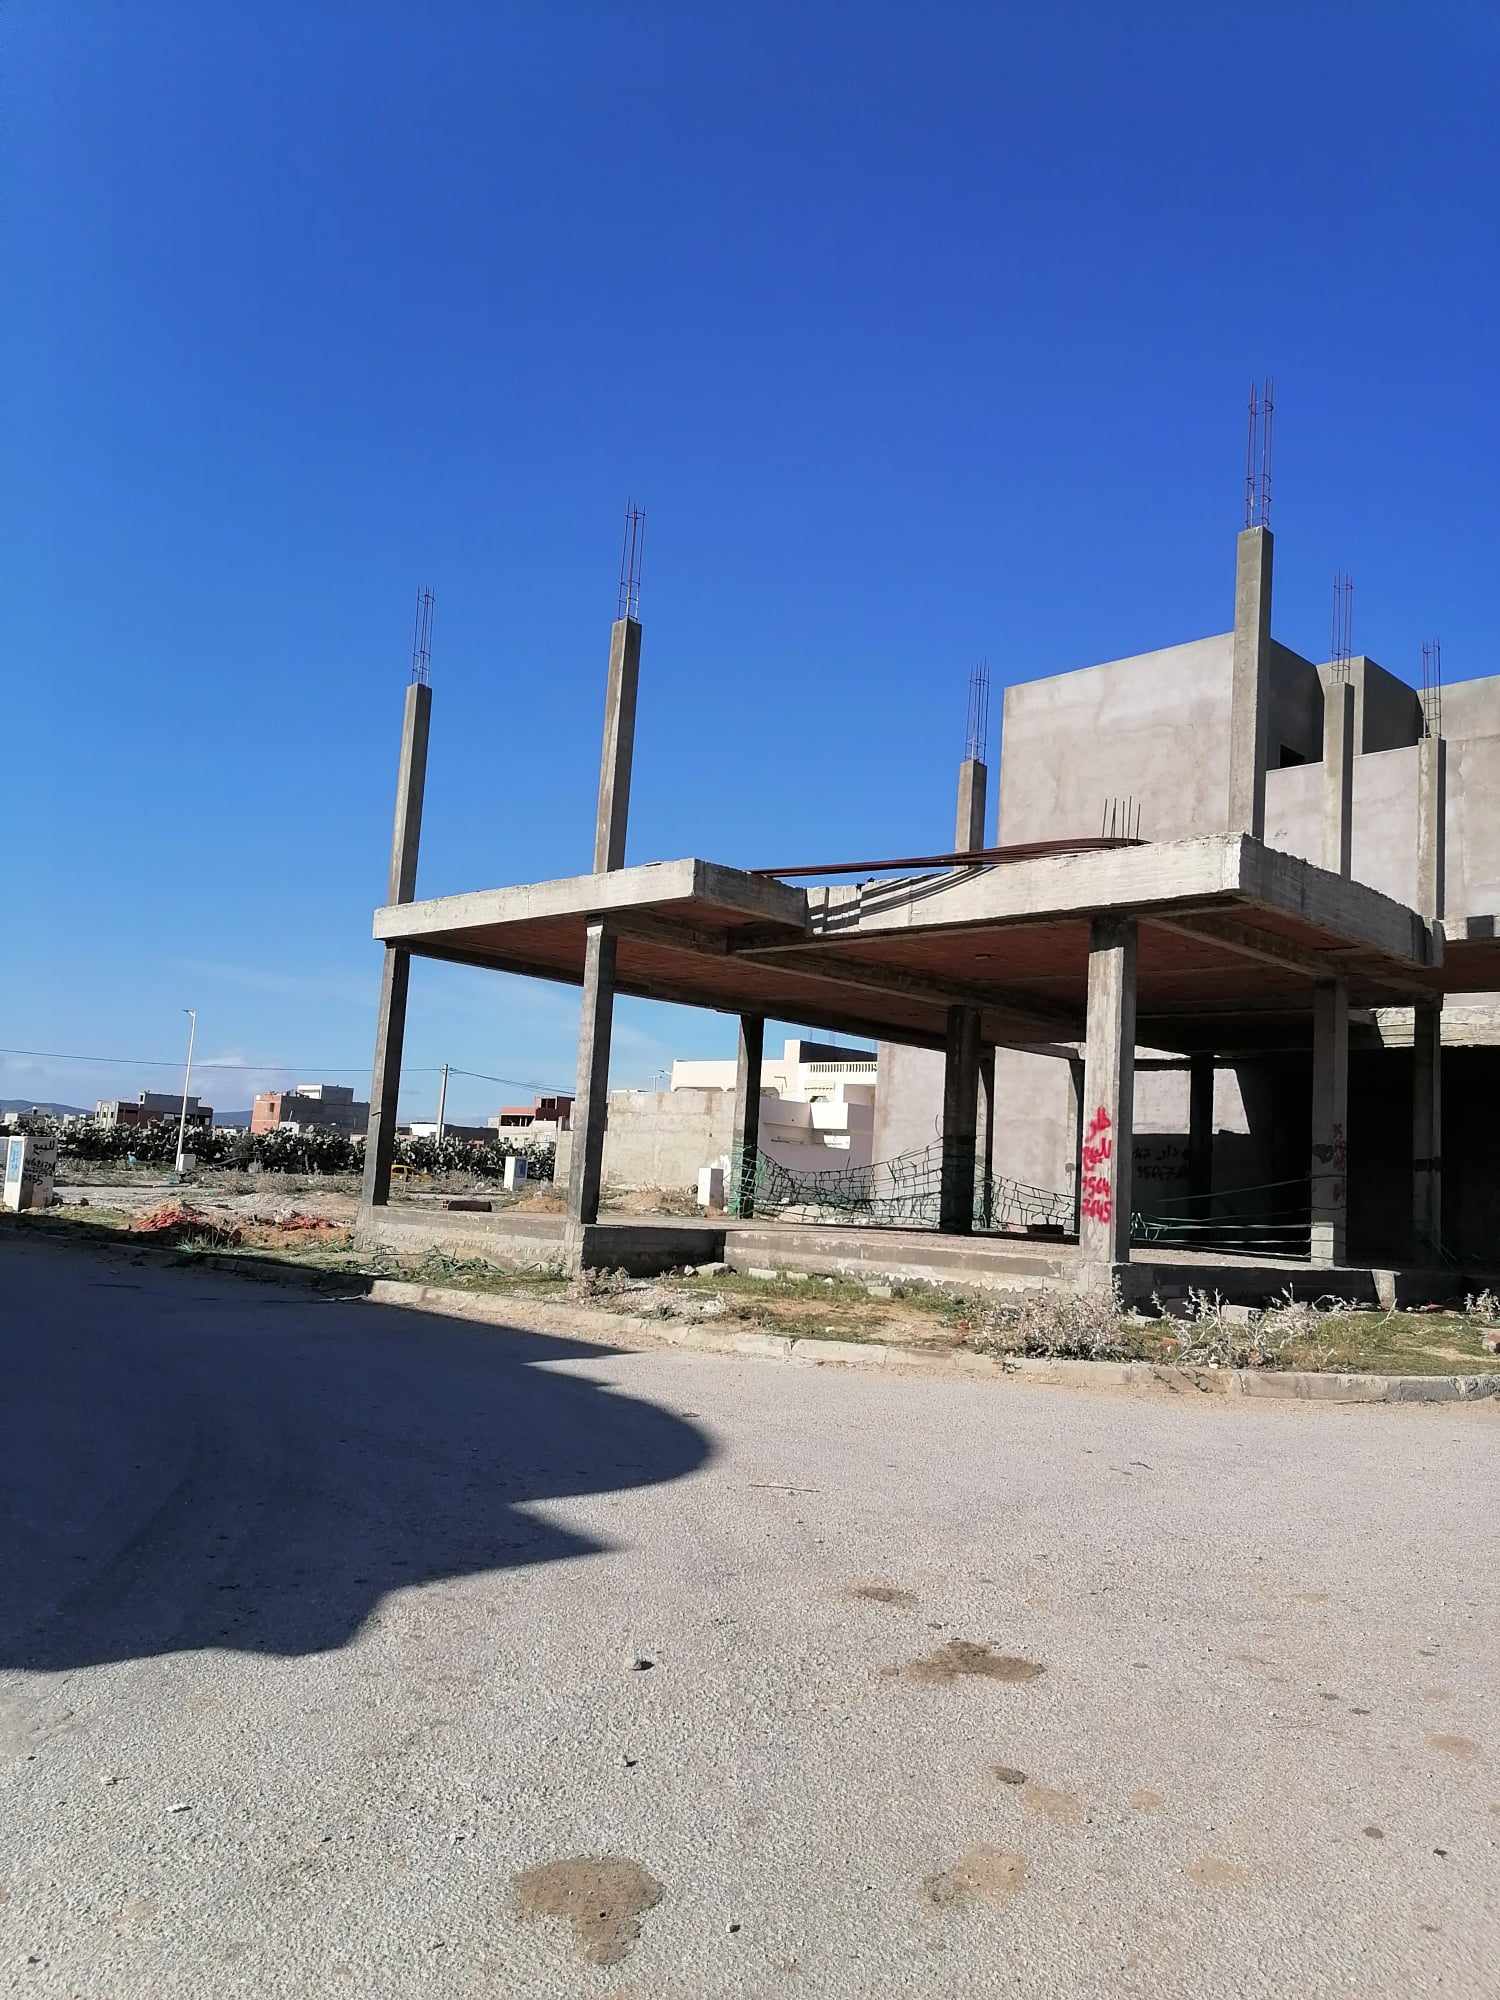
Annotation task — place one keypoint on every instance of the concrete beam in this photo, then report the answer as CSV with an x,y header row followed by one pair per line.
x,y
1105,1164
744,1145
1427,1133
619,745
973,791
591,1103
1338,778
960,1122
1250,696
643,888
844,969
1330,1122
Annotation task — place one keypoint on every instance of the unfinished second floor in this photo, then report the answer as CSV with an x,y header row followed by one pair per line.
x,y
1155,729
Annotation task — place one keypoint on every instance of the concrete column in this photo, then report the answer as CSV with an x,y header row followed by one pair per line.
x,y
1076,1090
1330,1121
591,1104
1338,778
1200,1131
1249,704
395,973
973,791
597,1011
986,1159
619,745
1109,1101
1427,1131
385,1080
1432,807
960,1121
744,1145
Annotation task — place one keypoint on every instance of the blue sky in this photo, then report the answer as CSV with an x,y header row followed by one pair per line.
x,y
922,334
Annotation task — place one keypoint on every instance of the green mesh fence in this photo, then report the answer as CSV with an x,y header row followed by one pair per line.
x,y
897,1194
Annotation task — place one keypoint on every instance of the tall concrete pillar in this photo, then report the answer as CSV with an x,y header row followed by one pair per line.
x,y
1076,1093
960,1121
1432,807
1249,705
986,1147
395,973
619,745
596,1015
1338,778
744,1145
591,1104
1427,1131
973,793
1200,1130
1330,1122
1104,1183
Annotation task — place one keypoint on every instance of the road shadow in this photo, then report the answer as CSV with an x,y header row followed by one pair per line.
x,y
191,1461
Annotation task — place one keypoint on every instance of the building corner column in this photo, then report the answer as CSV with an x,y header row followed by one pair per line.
x,y
1427,1131
744,1145
1105,1162
1249,699
395,972
1338,778
1200,1128
960,1122
1330,1128
596,1012
973,805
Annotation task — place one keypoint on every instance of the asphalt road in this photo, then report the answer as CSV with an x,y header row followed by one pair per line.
x,y
323,1630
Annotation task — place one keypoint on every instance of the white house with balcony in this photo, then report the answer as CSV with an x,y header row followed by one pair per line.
x,y
817,1105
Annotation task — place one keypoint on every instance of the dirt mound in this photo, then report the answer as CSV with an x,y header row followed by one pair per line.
x,y
178,1222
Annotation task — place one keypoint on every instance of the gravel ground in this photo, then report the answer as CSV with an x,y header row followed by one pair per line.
x,y
349,1649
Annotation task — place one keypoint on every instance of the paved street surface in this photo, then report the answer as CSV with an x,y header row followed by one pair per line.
x,y
354,1650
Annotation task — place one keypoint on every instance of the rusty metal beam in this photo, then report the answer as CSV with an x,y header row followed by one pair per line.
x,y
1027,850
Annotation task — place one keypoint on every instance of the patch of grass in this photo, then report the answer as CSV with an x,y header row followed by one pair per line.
x,y
1327,1335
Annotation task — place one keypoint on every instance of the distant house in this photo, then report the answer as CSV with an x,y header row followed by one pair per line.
x,y
539,1122
331,1106
152,1107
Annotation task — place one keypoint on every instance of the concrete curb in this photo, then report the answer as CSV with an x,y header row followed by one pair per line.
x,y
1269,1384
599,1325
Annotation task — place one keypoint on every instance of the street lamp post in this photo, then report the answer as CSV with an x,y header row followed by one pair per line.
x,y
187,1077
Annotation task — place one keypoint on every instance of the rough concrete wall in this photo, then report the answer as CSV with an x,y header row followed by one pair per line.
x,y
1385,818
1155,726
659,1138
1473,825
908,1100
1296,720
1472,708
1036,1121
1387,712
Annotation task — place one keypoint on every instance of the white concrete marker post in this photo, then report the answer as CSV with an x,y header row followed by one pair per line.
x,y
30,1169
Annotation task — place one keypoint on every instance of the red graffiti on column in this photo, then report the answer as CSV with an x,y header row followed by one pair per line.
x,y
1097,1185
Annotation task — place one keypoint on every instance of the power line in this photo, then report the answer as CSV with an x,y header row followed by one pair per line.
x,y
514,1082
304,1069
175,1062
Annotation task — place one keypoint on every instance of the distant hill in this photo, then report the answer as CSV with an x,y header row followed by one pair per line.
x,y
239,1119
57,1110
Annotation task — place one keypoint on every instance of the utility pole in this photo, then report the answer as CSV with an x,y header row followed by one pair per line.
x,y
442,1103
187,1077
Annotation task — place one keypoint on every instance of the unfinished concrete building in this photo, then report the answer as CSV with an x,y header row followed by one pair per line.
x,y
1216,1042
